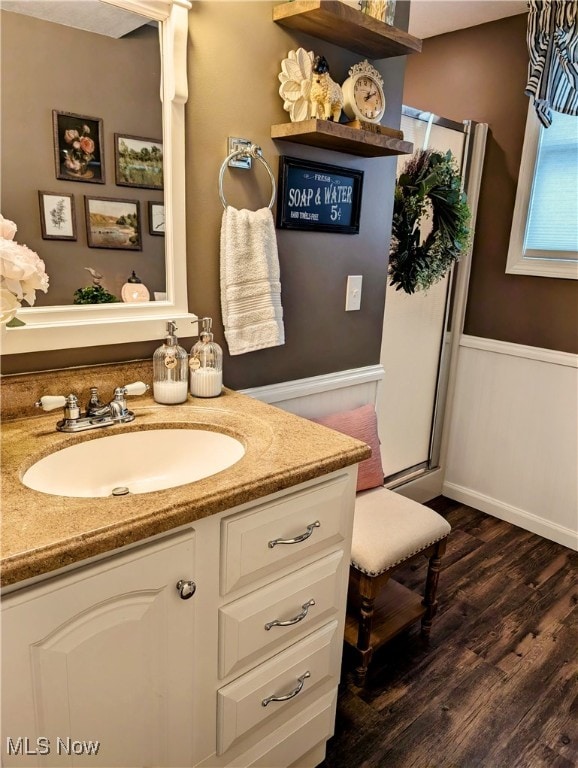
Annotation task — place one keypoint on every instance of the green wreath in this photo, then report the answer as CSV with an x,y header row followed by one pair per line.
x,y
429,187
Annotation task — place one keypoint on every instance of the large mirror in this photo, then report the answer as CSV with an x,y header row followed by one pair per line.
x,y
111,242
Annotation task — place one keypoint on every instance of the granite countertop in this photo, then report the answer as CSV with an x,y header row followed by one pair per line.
x,y
43,533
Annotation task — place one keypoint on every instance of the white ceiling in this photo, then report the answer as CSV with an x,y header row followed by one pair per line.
x,y
436,17
427,17
90,15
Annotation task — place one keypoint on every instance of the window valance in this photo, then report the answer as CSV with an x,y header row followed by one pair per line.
x,y
553,49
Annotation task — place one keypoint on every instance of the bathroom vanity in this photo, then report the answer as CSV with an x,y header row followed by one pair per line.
x,y
200,625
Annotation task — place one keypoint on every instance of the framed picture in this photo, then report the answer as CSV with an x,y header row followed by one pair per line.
x,y
139,162
156,218
78,147
112,223
57,216
317,196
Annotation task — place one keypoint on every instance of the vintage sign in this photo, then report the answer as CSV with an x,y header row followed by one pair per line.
x,y
317,196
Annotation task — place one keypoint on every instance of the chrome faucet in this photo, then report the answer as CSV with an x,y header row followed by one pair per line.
x,y
98,414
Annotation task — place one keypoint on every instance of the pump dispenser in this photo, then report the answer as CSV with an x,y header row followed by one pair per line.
x,y
170,370
206,364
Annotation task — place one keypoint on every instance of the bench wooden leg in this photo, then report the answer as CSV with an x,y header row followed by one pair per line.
x,y
368,590
431,585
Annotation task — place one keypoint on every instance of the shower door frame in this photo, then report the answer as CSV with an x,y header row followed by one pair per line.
x,y
424,481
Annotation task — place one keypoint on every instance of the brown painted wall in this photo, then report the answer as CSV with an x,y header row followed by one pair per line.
x,y
49,66
235,52
236,55
480,74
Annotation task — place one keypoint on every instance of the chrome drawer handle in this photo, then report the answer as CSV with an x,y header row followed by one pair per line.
x,y
297,539
186,589
292,694
295,620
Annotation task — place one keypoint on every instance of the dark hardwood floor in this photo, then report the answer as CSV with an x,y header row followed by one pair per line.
x,y
498,685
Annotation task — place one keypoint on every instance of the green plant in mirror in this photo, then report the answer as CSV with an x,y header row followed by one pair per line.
x,y
93,294
427,191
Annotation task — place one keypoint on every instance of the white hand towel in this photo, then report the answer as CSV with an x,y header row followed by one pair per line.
x,y
250,286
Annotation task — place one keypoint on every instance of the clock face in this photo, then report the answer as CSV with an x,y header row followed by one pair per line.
x,y
368,98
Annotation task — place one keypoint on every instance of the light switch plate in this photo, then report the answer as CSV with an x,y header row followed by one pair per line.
x,y
353,293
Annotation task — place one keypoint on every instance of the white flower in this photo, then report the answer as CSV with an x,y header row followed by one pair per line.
x,y
9,305
22,272
295,77
7,228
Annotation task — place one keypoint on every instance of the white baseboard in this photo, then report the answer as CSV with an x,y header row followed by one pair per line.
x,y
519,517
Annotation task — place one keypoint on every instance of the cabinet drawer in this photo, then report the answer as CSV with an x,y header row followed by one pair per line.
x,y
295,673
245,629
300,741
252,542
297,738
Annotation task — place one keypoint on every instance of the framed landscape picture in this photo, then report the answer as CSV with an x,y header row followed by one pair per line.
x,y
113,223
78,147
139,162
57,216
156,218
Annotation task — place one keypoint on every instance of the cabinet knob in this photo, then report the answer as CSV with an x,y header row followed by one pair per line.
x,y
186,589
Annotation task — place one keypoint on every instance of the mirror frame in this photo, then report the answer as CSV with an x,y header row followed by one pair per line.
x,y
67,327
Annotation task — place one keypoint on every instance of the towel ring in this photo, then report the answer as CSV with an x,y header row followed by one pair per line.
x,y
255,152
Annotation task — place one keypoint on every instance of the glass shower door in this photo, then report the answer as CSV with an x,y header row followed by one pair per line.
x,y
415,338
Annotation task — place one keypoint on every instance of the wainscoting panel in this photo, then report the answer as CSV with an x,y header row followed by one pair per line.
x,y
319,396
513,439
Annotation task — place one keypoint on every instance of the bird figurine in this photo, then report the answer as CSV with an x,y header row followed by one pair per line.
x,y
96,276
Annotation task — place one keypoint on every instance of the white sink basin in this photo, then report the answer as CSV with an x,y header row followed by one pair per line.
x,y
134,462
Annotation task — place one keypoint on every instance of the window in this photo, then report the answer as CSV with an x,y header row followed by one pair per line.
x,y
544,236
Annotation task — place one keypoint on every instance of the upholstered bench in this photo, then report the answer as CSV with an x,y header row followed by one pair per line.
x,y
389,530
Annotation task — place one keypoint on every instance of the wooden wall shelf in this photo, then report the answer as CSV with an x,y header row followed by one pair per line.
x,y
338,23
340,137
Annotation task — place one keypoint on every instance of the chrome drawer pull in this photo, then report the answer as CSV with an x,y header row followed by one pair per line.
x,y
295,620
297,539
292,694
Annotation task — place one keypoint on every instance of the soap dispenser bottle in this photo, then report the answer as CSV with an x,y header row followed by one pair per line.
x,y
170,384
206,364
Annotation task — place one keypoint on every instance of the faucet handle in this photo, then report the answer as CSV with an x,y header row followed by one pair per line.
x,y
136,388
50,402
70,405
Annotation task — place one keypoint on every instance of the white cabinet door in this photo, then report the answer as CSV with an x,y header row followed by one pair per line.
x,y
98,664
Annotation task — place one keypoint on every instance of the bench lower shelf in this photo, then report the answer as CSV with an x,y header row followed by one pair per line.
x,y
396,608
